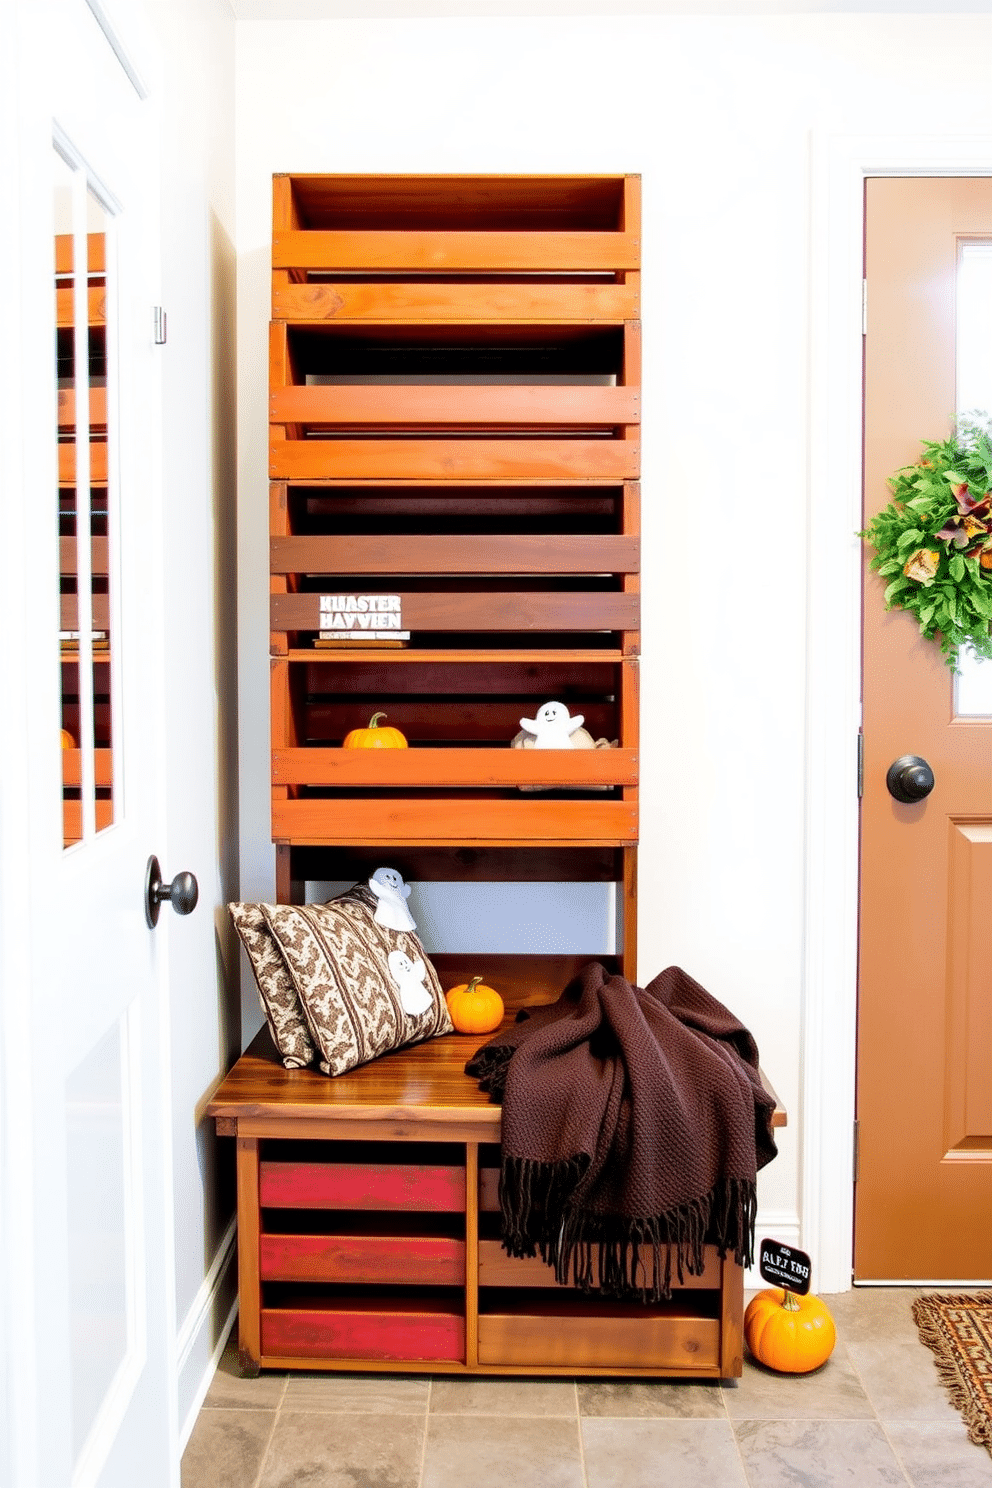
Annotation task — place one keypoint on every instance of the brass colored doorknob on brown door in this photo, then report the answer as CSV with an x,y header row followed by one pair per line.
x,y
909,778
182,893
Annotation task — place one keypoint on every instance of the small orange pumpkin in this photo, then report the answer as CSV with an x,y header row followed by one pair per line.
x,y
474,1007
788,1333
374,737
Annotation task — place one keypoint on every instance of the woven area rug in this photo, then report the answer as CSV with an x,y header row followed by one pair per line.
x,y
959,1331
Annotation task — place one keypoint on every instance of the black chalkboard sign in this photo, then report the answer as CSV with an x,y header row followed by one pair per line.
x,y
784,1266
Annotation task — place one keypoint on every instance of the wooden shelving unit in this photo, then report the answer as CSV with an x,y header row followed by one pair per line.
x,y
454,423
455,416
454,441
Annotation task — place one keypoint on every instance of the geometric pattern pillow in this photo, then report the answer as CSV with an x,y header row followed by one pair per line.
x,y
276,991
364,989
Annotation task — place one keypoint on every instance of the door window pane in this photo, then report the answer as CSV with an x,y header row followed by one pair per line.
x,y
86,498
973,687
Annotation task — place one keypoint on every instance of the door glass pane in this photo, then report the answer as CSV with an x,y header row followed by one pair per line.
x,y
973,687
84,356
100,395
65,314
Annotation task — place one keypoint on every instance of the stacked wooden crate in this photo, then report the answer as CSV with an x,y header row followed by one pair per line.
x,y
455,418
454,459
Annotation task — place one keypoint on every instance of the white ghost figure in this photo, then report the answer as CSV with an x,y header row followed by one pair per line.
x,y
553,727
392,893
409,978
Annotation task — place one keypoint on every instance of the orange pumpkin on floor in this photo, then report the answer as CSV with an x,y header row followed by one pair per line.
x,y
375,737
788,1333
474,1007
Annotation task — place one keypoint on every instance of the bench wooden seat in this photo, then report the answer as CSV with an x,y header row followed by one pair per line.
x,y
368,1236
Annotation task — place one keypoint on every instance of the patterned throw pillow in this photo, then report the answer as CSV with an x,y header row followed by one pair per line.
x,y
364,989
276,990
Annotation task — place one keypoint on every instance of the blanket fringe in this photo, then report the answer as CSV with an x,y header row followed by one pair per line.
x,y
616,1255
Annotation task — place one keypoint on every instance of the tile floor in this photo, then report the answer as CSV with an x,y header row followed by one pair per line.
x,y
873,1416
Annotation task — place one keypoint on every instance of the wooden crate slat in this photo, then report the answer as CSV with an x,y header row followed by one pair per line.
x,y
681,1342
354,1334
448,252
453,819
481,612
454,459
393,403
440,301
424,769
316,1185
563,553
343,656
428,1259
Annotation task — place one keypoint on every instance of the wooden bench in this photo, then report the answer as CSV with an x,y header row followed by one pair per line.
x,y
368,1236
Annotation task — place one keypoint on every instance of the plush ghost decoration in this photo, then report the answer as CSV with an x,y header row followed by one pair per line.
x,y
409,978
392,893
553,727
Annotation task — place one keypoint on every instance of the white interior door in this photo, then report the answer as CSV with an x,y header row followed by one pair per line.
x,y
97,1403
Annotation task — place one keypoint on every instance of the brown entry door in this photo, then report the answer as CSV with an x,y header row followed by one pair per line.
x,y
923,1201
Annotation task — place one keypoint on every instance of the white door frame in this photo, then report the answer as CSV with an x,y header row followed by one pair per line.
x,y
839,166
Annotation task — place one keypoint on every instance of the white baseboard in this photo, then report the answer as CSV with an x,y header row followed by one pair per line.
x,y
201,1339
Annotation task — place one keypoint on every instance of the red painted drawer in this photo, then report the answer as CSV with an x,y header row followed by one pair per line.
x,y
303,1185
416,1259
372,1332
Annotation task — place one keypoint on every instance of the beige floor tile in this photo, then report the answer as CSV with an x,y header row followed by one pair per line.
x,y
937,1454
818,1454
833,1390
649,1454
501,1452
902,1382
322,1450
378,1394
874,1314
461,1395
658,1398
226,1448
229,1389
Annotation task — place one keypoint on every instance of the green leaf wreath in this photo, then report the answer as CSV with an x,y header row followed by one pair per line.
x,y
933,542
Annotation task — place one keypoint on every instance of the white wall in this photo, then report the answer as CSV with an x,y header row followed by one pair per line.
x,y
718,115
198,293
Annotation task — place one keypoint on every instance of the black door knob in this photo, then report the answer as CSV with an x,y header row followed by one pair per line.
x,y
909,778
182,893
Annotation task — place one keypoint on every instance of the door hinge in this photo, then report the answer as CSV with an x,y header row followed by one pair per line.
x,y
160,326
864,307
856,1150
861,765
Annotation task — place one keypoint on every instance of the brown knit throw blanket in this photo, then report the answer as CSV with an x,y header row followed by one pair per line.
x,y
634,1122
